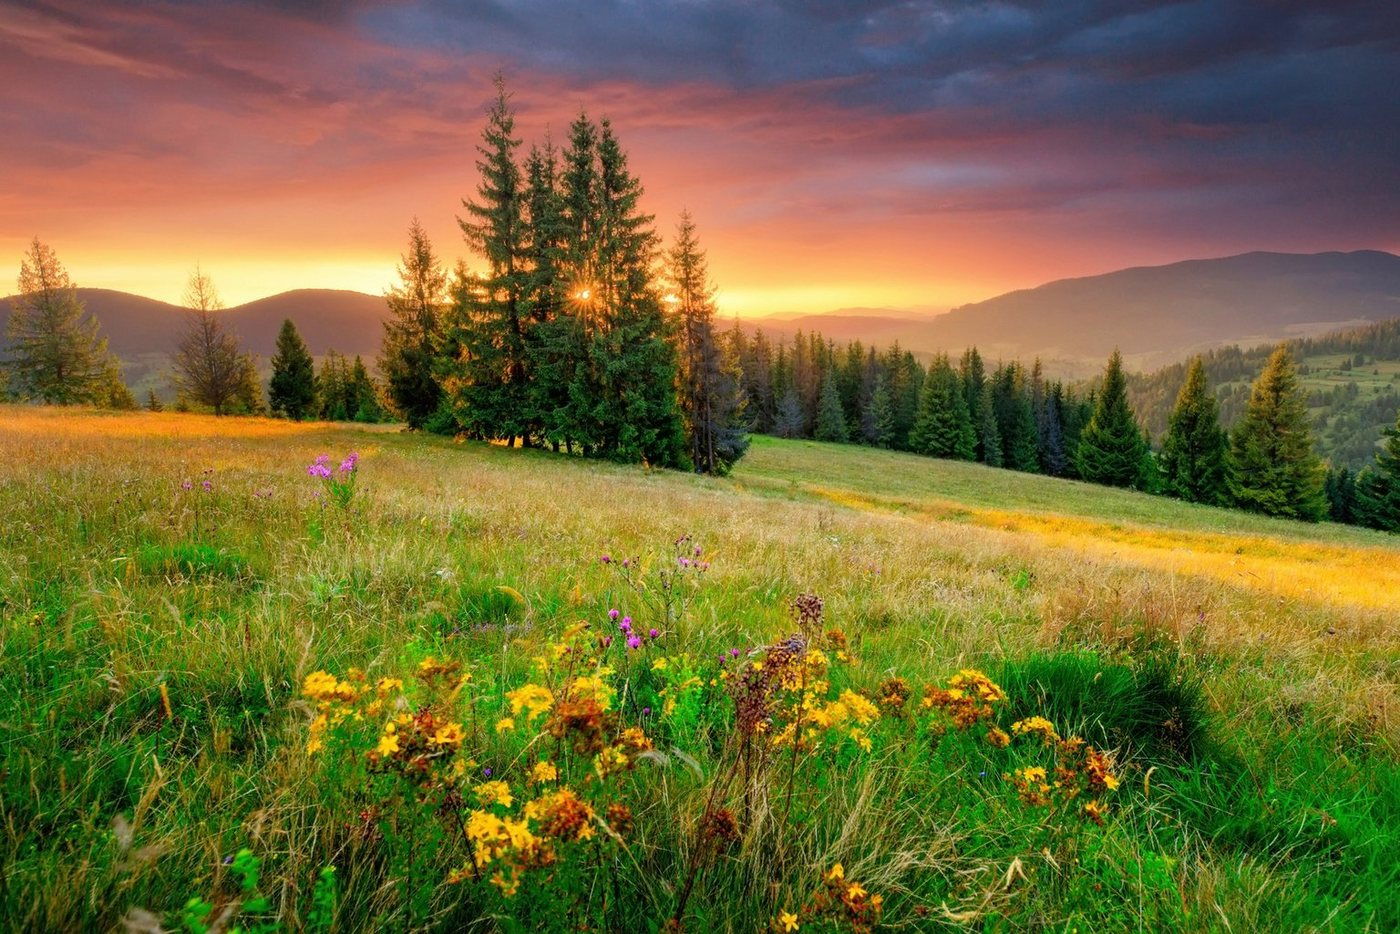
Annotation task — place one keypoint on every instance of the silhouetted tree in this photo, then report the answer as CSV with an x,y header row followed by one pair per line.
x,y
292,390
210,369
55,353
414,342
711,399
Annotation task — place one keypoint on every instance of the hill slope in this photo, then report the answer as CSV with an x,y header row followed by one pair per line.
x,y
350,322
1155,314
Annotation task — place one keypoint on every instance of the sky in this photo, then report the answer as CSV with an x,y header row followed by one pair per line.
x,y
834,153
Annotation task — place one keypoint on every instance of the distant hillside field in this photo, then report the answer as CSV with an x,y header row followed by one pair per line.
x,y
1352,378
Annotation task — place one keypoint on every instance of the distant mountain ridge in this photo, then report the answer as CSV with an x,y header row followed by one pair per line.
x,y
1157,315
328,319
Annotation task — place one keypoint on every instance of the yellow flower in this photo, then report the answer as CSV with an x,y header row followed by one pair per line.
x,y
496,792
788,920
1038,726
659,665
449,734
505,725
389,742
545,772
862,710
837,873
997,737
530,697
855,890
861,739
386,685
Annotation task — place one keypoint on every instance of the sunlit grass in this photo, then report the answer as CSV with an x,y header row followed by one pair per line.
x,y
121,592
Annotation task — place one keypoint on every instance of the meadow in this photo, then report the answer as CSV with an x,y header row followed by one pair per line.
x,y
461,686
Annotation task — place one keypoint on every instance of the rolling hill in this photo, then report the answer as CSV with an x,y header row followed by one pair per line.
x,y
350,322
1156,315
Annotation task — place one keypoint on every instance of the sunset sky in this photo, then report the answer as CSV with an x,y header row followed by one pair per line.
x,y
834,152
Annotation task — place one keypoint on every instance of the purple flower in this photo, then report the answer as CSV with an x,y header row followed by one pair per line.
x,y
612,614
348,465
486,771
646,711
653,633
734,652
208,486
607,559
607,641
634,642
187,485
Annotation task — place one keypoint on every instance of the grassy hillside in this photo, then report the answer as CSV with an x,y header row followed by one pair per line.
x,y
161,702
1352,378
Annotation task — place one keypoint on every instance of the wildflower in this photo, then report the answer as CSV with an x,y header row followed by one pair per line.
x,y
788,920
348,465
1098,765
998,737
612,615
607,559
389,742
653,633
836,874
1094,811
855,890
387,685
659,664
187,485
449,734
208,486
494,792
634,642
544,772
505,725
862,711
531,698
861,739
626,625
1036,726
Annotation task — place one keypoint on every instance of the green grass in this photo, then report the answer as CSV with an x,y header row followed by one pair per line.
x,y
1244,671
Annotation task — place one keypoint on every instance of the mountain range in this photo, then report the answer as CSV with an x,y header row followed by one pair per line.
x,y
1156,315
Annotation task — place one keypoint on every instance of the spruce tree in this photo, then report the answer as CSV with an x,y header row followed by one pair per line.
x,y
1193,452
1111,449
831,417
1341,495
1377,502
973,376
153,402
882,412
55,353
711,397
362,395
943,427
293,388
988,435
1015,419
633,351
490,381
410,359
788,421
1054,459
1273,468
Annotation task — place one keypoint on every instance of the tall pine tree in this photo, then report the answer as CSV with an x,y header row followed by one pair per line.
x,y
293,388
55,353
831,417
489,387
413,333
1111,449
943,427
1194,450
711,398
1273,468
1377,496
